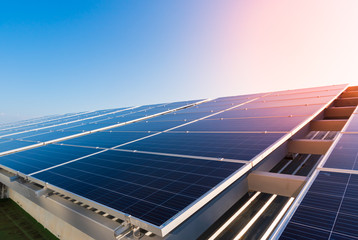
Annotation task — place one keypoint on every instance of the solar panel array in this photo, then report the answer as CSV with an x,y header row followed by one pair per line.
x,y
329,209
156,162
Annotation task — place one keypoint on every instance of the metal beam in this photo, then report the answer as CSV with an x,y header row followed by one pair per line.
x,y
352,88
309,146
346,102
327,125
275,183
349,94
338,112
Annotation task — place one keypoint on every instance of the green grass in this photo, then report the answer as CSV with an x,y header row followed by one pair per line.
x,y
16,224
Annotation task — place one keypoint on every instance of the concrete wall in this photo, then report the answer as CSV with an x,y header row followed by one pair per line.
x,y
57,226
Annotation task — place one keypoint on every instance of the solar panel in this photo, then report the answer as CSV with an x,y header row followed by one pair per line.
x,y
296,94
289,102
245,124
353,124
338,88
107,139
282,111
37,159
150,187
329,209
241,146
344,155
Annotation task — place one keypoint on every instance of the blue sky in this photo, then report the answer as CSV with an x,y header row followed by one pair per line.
x,y
68,56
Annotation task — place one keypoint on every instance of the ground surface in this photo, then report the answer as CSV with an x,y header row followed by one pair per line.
x,y
16,224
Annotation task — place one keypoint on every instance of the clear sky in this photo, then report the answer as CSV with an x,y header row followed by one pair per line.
x,y
68,56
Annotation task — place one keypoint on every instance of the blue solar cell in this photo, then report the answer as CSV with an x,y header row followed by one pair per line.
x,y
314,200
300,95
297,231
344,155
353,124
349,205
267,112
40,158
347,225
247,124
290,102
151,187
243,146
337,236
106,139
337,88
312,217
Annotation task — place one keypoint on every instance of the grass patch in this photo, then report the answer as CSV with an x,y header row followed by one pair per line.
x,y
17,224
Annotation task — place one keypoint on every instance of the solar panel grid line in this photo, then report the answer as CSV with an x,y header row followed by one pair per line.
x,y
66,123
339,208
96,130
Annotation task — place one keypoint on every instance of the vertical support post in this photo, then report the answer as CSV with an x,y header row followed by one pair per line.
x,y
3,191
